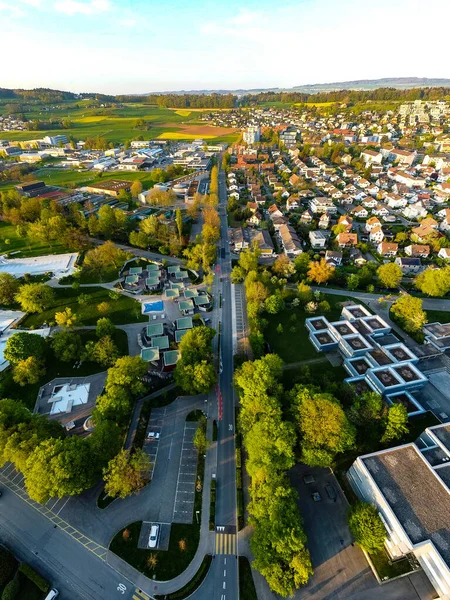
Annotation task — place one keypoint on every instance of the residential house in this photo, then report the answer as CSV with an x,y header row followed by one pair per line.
x,y
372,223
252,207
415,211
333,258
239,238
324,221
395,200
290,241
306,217
444,253
369,203
264,241
371,156
292,203
321,204
376,235
255,219
356,257
346,240
274,211
387,249
318,239
417,250
444,225
359,212
426,228
380,211
403,157
409,265
347,221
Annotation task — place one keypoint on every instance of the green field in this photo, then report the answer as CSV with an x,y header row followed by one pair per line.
x,y
119,124
122,311
11,242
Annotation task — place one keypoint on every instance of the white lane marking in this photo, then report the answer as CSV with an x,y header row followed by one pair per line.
x,y
224,585
224,572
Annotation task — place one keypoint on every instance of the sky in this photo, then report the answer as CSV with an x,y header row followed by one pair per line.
x,y
139,46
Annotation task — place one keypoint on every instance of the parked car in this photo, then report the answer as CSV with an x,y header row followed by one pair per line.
x,y
154,535
308,479
153,435
331,492
316,496
52,594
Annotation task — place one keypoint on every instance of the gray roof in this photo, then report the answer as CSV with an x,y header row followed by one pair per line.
x,y
416,495
443,435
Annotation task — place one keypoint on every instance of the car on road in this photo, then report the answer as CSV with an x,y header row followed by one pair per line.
x,y
308,478
331,492
154,535
52,594
316,496
153,435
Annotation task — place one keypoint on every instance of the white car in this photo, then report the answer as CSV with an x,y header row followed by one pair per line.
x,y
154,535
153,435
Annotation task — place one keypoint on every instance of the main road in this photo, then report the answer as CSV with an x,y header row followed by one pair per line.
x,y
225,565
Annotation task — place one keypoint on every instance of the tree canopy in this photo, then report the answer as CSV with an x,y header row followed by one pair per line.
x,y
35,297
390,275
366,526
127,473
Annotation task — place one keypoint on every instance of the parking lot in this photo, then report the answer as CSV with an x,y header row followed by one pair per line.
x,y
153,435
187,472
10,474
163,537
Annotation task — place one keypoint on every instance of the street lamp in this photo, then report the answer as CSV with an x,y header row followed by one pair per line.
x,y
197,512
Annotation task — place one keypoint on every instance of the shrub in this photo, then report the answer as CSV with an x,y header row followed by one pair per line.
x,y
12,589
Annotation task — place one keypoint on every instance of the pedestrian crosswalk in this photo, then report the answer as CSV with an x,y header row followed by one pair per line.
x,y
140,595
225,543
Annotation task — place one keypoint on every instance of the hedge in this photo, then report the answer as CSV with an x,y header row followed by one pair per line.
x,y
34,576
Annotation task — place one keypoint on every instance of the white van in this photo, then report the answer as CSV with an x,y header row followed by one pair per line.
x,y
52,594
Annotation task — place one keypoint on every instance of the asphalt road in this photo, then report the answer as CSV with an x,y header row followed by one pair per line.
x,y
225,567
69,566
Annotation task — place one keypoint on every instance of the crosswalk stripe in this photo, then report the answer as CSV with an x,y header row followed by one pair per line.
x,y
225,543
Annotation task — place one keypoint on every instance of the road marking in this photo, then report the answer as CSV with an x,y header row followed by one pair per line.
x,y
140,595
226,543
224,585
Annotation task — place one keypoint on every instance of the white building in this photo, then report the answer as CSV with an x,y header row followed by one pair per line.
x,y
252,135
410,486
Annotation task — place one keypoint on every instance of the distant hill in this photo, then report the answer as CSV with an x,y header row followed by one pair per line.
x,y
401,83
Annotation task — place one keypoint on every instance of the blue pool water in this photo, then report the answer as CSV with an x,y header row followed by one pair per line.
x,y
153,307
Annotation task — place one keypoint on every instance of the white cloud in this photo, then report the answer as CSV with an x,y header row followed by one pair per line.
x,y
72,7
128,22
11,10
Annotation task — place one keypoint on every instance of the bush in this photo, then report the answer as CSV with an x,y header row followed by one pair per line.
x,y
12,589
366,526
34,576
7,565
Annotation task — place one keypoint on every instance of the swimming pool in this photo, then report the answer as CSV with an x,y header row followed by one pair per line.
x,y
148,307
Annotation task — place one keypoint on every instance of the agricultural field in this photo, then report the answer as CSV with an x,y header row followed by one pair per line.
x,y
119,124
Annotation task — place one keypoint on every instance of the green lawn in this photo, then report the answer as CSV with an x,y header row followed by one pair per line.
x,y
10,242
57,368
170,563
387,569
293,344
120,312
247,589
438,316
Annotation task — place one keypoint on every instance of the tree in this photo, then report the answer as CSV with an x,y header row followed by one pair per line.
x,y
200,440
352,281
366,526
9,287
274,304
35,297
23,345
104,257
128,372
67,345
28,371
59,467
396,423
104,327
105,352
195,372
320,271
434,282
127,473
283,266
179,222
304,293
12,589
8,565
105,441
408,310
301,263
136,188
248,259
237,274
323,426
103,308
66,319
114,405
390,275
